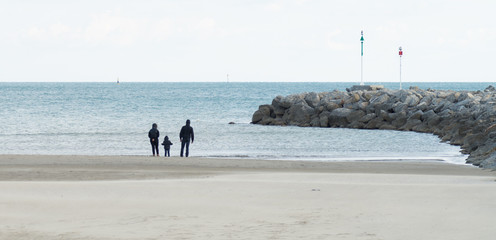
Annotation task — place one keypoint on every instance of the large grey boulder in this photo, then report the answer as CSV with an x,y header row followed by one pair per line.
x,y
263,110
411,100
324,118
312,99
355,116
300,114
339,117
367,117
288,101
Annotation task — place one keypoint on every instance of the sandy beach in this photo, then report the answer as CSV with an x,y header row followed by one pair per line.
x,y
141,197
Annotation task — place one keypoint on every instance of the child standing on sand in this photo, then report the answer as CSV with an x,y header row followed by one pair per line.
x,y
167,143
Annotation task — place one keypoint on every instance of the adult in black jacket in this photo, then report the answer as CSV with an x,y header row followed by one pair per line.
x,y
153,134
186,135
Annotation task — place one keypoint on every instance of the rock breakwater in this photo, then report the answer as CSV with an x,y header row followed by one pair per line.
x,y
463,118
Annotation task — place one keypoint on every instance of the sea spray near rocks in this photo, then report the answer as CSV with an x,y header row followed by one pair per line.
x,y
463,118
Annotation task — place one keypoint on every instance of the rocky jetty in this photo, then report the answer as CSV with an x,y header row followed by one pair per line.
x,y
463,118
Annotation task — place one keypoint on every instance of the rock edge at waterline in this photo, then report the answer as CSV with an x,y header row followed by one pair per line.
x,y
463,118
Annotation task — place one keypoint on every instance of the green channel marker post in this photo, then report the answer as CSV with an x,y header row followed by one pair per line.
x,y
361,65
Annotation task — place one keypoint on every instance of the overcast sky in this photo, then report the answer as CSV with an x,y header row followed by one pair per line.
x,y
252,40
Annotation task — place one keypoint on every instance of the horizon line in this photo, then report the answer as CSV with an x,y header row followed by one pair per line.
x,y
244,82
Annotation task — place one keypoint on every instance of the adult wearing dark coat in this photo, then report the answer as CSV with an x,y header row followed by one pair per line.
x,y
153,134
186,135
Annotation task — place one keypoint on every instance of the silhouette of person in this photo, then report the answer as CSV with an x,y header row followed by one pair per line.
x,y
167,143
186,135
153,134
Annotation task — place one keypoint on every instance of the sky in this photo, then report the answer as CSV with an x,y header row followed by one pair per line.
x,y
250,40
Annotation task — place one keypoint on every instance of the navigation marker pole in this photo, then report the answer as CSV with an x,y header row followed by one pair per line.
x,y
401,54
361,64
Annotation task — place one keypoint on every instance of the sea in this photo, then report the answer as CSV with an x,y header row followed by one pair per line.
x,y
114,119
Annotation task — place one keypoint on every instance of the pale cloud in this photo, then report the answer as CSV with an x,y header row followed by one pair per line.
x,y
101,29
54,32
59,29
470,37
36,33
335,43
481,34
278,5
392,29
273,7
204,27
114,29
302,2
336,46
160,30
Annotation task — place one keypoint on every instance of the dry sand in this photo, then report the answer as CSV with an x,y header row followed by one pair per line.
x,y
134,197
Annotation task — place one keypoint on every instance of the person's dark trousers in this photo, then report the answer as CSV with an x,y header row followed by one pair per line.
x,y
185,144
154,146
166,153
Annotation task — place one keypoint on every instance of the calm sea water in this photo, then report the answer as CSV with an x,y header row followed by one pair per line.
x,y
114,119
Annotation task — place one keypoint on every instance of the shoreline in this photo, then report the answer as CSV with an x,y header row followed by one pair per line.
x,y
142,197
85,167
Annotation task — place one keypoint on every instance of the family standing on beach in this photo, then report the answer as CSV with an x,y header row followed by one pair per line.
x,y
186,136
